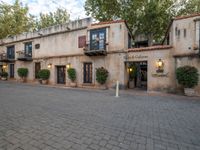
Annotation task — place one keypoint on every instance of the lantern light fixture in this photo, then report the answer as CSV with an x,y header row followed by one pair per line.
x,y
49,66
160,66
68,65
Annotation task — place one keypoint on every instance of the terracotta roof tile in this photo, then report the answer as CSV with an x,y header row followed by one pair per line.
x,y
157,47
108,22
187,16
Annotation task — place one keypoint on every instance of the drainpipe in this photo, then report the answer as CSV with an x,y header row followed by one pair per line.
x,y
199,38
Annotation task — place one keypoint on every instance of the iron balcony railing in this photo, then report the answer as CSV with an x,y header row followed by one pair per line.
x,y
4,57
23,56
95,49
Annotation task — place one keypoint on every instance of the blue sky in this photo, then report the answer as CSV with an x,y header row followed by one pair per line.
x,y
74,7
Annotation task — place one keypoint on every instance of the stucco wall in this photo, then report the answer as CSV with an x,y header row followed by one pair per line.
x,y
112,62
185,44
191,62
157,82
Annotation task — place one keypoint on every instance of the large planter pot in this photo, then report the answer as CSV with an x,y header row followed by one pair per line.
x,y
103,87
131,84
44,81
3,78
73,84
23,79
189,92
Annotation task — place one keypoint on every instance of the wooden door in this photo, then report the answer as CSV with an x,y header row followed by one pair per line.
x,y
37,69
87,72
61,74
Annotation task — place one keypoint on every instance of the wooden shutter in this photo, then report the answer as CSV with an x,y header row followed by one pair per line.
x,y
81,41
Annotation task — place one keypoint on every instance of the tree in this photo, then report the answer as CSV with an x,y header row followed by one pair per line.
x,y
60,16
191,6
14,19
149,17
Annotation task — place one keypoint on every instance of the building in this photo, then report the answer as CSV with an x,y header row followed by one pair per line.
x,y
86,46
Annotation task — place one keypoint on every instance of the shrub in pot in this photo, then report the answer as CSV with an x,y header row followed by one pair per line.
x,y
4,76
188,77
72,76
101,76
44,75
23,73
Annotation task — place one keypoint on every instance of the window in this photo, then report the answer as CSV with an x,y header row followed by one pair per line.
x,y
185,33
81,41
179,33
98,39
28,49
176,31
129,41
11,52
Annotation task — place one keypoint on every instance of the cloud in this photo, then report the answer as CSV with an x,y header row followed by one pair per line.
x,y
74,7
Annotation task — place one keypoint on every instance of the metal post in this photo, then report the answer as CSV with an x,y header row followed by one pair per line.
x,y
117,89
199,38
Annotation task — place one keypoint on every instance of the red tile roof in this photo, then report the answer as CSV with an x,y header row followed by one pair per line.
x,y
187,16
157,47
108,22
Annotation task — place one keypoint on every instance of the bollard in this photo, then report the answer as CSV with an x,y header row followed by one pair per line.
x,y
117,89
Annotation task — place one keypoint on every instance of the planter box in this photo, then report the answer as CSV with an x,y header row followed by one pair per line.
x,y
189,92
44,81
3,78
73,84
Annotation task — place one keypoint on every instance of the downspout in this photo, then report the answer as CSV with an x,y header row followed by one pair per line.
x,y
199,38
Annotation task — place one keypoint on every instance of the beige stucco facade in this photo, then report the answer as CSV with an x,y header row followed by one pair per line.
x,y
59,46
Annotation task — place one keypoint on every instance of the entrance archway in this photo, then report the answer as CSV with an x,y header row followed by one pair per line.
x,y
137,75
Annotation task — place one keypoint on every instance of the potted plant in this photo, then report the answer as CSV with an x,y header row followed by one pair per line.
x,y
132,75
23,73
4,76
72,76
101,76
188,77
44,75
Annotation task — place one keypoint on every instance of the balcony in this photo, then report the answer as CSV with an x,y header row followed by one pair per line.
x,y
96,50
22,56
6,58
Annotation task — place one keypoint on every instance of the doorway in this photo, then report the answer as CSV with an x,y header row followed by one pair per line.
x,y
37,69
137,75
12,70
61,74
87,72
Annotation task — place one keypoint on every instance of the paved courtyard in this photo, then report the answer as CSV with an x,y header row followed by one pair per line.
x,y
44,118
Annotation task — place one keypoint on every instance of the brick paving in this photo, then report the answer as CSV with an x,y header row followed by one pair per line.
x,y
43,118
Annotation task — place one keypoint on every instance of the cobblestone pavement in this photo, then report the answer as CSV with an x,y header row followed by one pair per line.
x,y
43,118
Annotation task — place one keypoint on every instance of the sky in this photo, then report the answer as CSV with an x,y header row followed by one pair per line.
x,y
74,7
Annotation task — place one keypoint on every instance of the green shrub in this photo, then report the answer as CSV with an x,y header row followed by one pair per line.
x,y
71,74
4,74
22,72
101,75
44,74
187,76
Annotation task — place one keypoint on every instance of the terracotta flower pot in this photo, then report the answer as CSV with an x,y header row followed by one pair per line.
x,y
3,78
73,84
189,92
23,79
44,81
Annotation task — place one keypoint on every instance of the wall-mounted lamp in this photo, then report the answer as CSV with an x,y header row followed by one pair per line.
x,y
4,67
160,66
49,66
68,65
130,69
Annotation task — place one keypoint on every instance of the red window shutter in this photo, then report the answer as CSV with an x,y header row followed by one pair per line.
x,y
81,41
